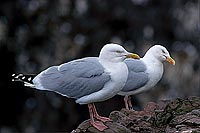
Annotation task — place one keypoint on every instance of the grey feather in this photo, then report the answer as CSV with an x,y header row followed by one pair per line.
x,y
76,78
137,76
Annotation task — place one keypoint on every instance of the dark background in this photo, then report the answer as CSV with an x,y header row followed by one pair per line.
x,y
35,34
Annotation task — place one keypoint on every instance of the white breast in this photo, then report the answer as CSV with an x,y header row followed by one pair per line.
x,y
119,75
155,71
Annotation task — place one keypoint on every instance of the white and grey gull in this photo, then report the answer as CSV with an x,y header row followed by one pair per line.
x,y
88,80
144,73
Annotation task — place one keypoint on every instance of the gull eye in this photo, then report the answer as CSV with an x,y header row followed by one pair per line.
x,y
119,51
163,51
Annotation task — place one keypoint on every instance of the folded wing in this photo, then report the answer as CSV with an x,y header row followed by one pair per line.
x,y
137,76
73,79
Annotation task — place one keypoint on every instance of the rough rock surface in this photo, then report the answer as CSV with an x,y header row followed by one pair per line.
x,y
179,115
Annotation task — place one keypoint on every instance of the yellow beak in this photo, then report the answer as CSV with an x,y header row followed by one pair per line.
x,y
134,56
170,60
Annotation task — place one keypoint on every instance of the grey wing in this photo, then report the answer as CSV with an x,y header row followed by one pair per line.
x,y
74,79
137,76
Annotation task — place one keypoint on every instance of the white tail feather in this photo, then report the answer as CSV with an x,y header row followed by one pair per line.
x,y
29,85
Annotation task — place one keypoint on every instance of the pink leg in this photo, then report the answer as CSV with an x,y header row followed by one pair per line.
x,y
97,124
126,102
96,115
130,103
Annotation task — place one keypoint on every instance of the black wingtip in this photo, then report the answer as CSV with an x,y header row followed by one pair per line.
x,y
23,77
15,77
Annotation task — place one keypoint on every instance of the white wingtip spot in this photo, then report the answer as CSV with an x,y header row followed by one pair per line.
x,y
19,75
13,80
23,77
29,79
29,85
13,74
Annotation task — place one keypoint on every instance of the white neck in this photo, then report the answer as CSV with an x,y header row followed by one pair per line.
x,y
149,59
110,66
154,68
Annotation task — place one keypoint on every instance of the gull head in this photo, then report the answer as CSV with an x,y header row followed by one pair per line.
x,y
160,53
115,53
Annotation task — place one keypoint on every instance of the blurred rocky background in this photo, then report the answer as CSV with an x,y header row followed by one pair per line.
x,y
35,34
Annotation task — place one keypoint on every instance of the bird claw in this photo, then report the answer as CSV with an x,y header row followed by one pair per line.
x,y
103,119
131,108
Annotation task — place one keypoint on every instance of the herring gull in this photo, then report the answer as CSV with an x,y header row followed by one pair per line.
x,y
144,73
88,80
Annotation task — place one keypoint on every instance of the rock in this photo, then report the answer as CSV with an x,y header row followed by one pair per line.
x,y
179,115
